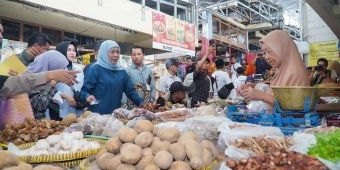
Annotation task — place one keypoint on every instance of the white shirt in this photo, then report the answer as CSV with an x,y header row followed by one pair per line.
x,y
166,81
238,82
234,67
222,78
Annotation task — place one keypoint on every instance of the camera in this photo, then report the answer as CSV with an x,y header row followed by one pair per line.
x,y
319,68
220,48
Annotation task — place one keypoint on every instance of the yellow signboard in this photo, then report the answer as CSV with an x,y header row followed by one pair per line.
x,y
12,63
328,50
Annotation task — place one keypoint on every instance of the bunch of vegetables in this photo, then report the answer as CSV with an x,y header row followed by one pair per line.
x,y
327,146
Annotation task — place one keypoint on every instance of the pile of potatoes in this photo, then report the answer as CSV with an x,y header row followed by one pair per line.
x,y
10,161
146,147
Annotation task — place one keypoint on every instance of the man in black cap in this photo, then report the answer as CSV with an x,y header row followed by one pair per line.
x,y
166,80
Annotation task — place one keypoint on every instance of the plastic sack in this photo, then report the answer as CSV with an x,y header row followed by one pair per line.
x,y
301,142
229,132
206,127
181,126
92,125
206,110
112,126
258,106
175,115
121,113
235,153
132,122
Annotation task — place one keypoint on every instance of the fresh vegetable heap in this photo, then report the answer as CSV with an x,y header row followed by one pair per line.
x,y
327,146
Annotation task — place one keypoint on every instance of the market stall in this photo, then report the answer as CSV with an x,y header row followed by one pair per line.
x,y
175,137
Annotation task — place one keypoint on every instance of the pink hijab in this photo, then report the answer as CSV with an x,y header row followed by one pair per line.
x,y
292,71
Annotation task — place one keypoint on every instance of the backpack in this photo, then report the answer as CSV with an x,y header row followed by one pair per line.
x,y
224,92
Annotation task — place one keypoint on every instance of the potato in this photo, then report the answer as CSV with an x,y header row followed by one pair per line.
x,y
143,126
196,163
194,153
100,153
144,139
160,146
146,160
8,159
163,159
86,114
187,135
178,151
69,119
210,146
126,167
79,119
21,166
127,135
130,154
151,167
207,157
103,160
155,129
113,145
169,134
147,151
114,163
47,167
180,165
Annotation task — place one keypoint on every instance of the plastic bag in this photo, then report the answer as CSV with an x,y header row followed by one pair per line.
x,y
231,131
301,142
112,126
206,127
132,122
258,106
121,113
175,115
235,153
206,110
92,125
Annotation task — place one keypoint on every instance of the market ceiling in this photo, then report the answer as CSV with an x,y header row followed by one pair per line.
x,y
329,11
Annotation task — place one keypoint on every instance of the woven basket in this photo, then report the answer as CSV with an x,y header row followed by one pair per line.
x,y
85,164
68,160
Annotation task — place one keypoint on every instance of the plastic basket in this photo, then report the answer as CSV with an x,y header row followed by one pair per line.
x,y
68,160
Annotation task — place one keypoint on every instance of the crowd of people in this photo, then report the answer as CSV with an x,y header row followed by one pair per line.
x,y
56,85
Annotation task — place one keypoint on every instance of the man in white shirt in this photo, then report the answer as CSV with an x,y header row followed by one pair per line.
x,y
221,77
168,79
234,65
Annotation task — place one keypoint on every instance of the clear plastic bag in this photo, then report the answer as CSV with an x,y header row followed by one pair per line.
x,y
231,131
175,115
301,142
92,125
112,126
235,153
206,127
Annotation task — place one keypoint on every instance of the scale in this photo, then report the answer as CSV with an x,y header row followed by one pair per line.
x,y
288,121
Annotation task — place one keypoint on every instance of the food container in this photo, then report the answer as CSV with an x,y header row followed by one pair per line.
x,y
293,98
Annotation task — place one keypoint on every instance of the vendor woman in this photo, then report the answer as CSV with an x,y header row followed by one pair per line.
x,y
176,96
282,54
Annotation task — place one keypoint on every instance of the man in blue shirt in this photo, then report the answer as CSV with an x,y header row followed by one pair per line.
x,y
141,77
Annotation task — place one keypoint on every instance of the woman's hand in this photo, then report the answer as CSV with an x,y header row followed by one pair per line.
x,y
250,94
90,98
70,100
212,49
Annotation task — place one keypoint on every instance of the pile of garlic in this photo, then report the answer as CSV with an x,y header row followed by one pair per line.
x,y
64,143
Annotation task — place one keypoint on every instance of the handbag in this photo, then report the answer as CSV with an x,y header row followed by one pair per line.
x,y
224,92
80,103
